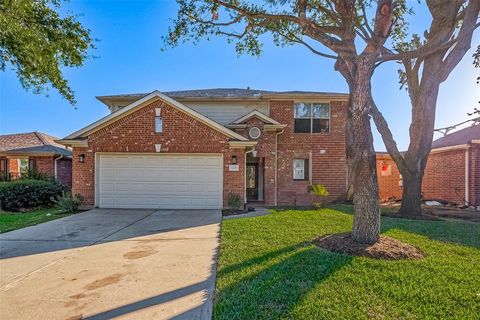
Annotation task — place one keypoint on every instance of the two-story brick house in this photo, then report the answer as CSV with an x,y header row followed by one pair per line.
x,y
192,149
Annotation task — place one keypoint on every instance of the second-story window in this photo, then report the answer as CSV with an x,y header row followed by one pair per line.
x,y
158,125
311,117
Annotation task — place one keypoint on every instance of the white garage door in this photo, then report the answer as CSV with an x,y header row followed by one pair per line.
x,y
160,181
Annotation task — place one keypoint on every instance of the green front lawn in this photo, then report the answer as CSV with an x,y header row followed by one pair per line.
x,y
11,221
268,269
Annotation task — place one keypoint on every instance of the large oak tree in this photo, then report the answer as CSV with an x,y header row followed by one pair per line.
x,y
343,29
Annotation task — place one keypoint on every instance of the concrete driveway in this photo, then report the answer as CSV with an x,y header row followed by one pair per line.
x,y
112,263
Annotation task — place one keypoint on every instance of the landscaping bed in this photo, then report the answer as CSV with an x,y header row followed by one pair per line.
x,y
269,268
385,248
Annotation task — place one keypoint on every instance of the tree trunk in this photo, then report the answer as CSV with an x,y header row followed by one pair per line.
x,y
412,194
361,155
424,102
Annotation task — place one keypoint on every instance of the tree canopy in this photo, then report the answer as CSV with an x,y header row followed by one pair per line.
x,y
37,42
315,24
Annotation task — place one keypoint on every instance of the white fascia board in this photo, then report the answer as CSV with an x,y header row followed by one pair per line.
x,y
257,114
242,144
450,148
73,142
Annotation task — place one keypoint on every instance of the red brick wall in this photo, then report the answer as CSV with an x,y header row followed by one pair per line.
x,y
388,184
135,133
444,177
328,169
45,165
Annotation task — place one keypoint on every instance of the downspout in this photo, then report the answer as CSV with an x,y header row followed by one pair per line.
x,y
245,177
55,169
276,165
467,176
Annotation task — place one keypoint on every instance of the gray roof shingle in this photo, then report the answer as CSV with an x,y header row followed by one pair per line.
x,y
224,93
32,142
463,136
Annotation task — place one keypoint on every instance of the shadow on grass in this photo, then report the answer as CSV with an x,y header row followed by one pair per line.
x,y
283,279
448,231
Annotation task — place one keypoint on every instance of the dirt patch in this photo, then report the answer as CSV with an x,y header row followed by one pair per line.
x,y
386,248
76,317
114,278
132,255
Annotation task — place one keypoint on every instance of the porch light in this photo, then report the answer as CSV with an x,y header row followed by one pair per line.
x,y
81,158
234,160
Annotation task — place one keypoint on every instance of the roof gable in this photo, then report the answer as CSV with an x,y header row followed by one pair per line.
x,y
255,114
145,101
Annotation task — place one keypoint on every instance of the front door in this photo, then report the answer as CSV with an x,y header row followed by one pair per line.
x,y
252,181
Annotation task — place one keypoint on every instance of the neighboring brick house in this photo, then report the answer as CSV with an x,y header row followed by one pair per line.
x,y
452,172
194,149
37,151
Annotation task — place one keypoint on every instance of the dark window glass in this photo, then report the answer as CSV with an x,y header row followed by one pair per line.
x,y
321,125
30,165
302,125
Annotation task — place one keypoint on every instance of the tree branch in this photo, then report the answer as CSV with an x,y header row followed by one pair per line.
x,y
293,38
464,39
387,137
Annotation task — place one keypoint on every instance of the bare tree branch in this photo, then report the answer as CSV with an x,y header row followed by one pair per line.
x,y
387,136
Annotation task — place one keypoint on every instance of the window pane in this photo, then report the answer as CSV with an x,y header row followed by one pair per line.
x,y
321,125
298,169
24,166
251,177
302,125
321,110
302,110
158,124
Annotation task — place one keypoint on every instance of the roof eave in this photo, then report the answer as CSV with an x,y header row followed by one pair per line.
x,y
311,96
83,143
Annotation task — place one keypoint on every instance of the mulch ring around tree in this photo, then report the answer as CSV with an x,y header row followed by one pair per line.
x,y
385,248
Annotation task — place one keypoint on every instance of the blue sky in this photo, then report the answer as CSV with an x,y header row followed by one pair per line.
x,y
128,59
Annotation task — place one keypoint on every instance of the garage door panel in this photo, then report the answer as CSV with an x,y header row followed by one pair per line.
x,y
212,188
161,181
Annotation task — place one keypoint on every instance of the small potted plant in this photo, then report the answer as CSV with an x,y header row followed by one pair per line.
x,y
321,192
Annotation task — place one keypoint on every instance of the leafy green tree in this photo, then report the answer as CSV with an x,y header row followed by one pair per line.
x,y
338,30
451,31
36,42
